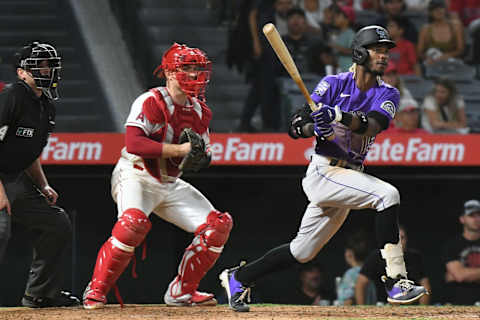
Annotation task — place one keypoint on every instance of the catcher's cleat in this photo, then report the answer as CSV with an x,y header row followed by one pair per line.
x,y
236,291
92,304
93,299
200,299
402,291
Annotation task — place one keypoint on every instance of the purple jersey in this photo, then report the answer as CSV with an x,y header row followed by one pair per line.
x,y
341,90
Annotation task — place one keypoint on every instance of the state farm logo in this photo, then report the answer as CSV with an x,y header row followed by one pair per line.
x,y
237,150
58,150
416,150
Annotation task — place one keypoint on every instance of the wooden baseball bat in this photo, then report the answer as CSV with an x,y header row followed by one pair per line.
x,y
283,54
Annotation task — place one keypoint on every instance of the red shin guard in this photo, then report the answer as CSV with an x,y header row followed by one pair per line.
x,y
116,253
202,254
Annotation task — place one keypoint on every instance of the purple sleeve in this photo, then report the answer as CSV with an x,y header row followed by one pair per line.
x,y
324,92
387,102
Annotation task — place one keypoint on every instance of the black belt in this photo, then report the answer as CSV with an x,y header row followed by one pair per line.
x,y
344,164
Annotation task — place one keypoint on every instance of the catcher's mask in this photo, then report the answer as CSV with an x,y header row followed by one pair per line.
x,y
191,66
44,63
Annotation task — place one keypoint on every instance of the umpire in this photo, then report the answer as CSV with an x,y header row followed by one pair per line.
x,y
27,117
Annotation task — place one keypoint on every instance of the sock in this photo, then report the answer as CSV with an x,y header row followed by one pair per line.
x,y
274,260
386,225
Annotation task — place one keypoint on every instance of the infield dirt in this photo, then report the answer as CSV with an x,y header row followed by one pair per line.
x,y
260,312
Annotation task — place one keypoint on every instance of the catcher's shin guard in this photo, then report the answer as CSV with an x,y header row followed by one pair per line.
x,y
115,255
202,254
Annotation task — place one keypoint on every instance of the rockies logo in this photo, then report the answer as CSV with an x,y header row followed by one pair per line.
x,y
381,34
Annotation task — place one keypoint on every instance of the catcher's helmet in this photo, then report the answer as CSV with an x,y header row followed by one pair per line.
x,y
180,56
367,36
32,58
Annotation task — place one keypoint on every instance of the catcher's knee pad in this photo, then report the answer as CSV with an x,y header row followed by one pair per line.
x,y
202,254
217,228
131,229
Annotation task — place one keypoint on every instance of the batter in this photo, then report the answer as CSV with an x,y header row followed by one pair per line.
x,y
355,107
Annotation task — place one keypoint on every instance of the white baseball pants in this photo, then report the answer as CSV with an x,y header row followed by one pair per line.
x,y
177,201
333,192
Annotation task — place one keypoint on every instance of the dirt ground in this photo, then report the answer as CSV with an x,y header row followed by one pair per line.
x,y
283,312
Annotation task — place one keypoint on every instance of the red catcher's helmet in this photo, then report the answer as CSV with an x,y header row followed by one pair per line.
x,y
177,59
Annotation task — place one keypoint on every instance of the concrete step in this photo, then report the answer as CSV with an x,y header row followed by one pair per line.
x,y
227,92
25,7
195,37
32,20
13,38
176,16
185,4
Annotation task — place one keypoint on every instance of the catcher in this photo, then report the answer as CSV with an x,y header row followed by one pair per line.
x,y
166,134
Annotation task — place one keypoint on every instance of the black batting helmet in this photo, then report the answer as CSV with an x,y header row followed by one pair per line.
x,y
32,58
367,36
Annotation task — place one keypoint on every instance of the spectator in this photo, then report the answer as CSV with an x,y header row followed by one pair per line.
x,y
461,256
465,10
407,118
444,109
373,5
356,252
343,18
327,25
391,77
395,8
264,90
314,13
297,41
442,38
374,268
323,60
313,286
403,55
417,5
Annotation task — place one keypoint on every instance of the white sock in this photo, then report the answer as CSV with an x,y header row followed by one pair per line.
x,y
393,255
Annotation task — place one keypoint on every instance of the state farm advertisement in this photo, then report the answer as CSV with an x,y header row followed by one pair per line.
x,y
275,149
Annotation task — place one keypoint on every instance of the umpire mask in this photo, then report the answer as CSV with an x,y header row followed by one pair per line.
x,y
43,62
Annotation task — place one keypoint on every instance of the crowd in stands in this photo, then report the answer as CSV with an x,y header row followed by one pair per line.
x,y
436,40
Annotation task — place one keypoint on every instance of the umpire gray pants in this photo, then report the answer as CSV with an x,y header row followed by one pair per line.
x,y
333,192
50,230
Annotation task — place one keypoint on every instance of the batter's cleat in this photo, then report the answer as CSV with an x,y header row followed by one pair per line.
x,y
402,291
93,299
236,291
63,299
197,299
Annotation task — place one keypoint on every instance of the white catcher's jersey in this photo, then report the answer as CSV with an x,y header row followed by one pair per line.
x,y
165,194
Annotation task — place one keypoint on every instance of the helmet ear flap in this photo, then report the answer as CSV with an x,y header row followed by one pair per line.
x,y
359,55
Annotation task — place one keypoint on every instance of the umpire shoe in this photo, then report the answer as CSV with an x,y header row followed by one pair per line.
x,y
64,299
402,291
236,291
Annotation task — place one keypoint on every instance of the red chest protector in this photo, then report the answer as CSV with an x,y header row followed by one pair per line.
x,y
173,118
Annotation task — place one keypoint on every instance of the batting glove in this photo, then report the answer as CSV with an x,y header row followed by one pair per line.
x,y
323,131
326,115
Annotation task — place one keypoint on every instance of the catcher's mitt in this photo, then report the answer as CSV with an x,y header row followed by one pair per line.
x,y
198,157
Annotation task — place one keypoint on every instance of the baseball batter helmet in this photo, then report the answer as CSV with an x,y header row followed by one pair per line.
x,y
37,57
177,59
367,36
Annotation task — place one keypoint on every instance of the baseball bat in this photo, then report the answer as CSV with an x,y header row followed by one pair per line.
x,y
285,58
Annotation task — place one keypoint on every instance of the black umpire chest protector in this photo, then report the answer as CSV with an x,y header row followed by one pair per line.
x,y
26,122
